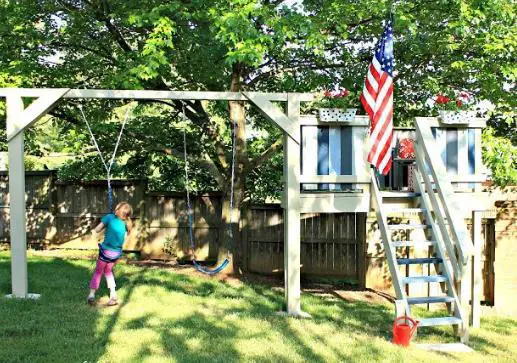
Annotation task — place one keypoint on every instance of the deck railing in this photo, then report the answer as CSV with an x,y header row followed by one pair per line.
x,y
438,187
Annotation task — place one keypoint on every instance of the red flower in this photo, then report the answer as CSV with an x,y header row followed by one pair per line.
x,y
459,103
327,93
441,99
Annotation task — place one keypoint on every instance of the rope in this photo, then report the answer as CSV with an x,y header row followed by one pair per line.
x,y
107,166
189,205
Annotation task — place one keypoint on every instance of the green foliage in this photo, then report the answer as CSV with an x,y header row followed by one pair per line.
x,y
501,157
256,45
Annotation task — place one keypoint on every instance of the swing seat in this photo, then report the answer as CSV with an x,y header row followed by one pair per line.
x,y
207,271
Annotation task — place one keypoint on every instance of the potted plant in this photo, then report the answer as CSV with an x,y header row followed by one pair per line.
x,y
336,105
455,108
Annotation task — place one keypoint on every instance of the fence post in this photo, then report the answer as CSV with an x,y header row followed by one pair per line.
x,y
477,277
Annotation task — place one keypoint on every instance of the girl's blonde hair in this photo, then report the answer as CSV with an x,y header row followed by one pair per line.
x,y
127,216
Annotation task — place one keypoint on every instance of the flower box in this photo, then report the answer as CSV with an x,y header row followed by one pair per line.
x,y
457,117
337,114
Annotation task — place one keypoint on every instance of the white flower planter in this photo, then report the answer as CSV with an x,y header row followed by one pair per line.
x,y
337,114
457,117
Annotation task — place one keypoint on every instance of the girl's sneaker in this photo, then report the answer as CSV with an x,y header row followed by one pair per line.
x,y
91,301
112,302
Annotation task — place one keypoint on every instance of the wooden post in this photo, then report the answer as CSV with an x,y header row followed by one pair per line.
x,y
477,278
17,201
292,211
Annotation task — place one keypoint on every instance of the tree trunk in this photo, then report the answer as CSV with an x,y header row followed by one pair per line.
x,y
231,247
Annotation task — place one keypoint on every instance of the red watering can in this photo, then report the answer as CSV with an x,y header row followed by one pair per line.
x,y
403,330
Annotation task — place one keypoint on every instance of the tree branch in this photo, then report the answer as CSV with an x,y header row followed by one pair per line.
x,y
266,154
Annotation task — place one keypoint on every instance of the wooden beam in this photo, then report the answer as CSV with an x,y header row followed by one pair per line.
x,y
151,94
18,234
274,114
46,99
312,120
477,273
292,228
360,179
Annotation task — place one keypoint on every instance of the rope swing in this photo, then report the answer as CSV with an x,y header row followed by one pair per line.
x,y
222,266
107,166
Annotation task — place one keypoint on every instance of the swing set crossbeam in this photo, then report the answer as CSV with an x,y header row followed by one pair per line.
x,y
152,95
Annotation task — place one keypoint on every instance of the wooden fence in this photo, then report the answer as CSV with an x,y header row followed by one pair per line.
x,y
61,215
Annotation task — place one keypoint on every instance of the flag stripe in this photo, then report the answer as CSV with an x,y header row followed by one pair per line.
x,y
377,100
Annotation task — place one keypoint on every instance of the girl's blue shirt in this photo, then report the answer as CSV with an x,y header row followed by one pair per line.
x,y
115,232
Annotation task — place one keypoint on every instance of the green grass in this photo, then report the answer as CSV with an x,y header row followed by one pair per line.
x,y
164,316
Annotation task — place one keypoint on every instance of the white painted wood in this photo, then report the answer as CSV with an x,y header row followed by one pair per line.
x,y
151,94
36,110
19,276
477,270
334,203
443,186
446,348
292,214
432,203
359,162
309,155
389,250
360,179
273,113
463,155
313,120
435,122
478,160
441,143
401,307
334,154
450,264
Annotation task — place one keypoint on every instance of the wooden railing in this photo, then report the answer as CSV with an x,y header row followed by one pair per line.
x,y
446,210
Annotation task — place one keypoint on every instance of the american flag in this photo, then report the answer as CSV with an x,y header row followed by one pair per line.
x,y
377,100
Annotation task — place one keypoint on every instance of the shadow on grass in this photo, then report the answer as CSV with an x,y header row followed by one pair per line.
x,y
184,318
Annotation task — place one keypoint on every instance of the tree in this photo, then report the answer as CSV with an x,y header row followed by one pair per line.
x,y
267,45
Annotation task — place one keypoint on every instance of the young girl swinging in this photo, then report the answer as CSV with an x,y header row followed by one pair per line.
x,y
117,226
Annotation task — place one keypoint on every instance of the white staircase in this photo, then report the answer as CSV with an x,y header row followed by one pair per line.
x,y
447,244
393,249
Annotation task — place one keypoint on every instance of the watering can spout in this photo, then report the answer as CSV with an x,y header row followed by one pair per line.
x,y
413,329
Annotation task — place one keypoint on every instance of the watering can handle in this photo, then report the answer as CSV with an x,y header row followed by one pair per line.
x,y
406,318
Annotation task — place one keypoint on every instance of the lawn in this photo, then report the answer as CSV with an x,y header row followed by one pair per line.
x,y
167,316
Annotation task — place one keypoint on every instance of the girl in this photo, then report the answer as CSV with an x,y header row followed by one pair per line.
x,y
110,250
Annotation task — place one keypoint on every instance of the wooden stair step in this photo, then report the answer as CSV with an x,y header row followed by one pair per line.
x,y
429,300
423,279
404,210
419,261
399,194
448,320
412,243
394,227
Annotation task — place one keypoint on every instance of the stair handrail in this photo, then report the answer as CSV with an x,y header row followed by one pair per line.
x,y
382,219
450,264
439,229
427,152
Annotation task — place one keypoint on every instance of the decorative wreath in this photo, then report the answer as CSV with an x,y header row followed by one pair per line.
x,y
406,149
